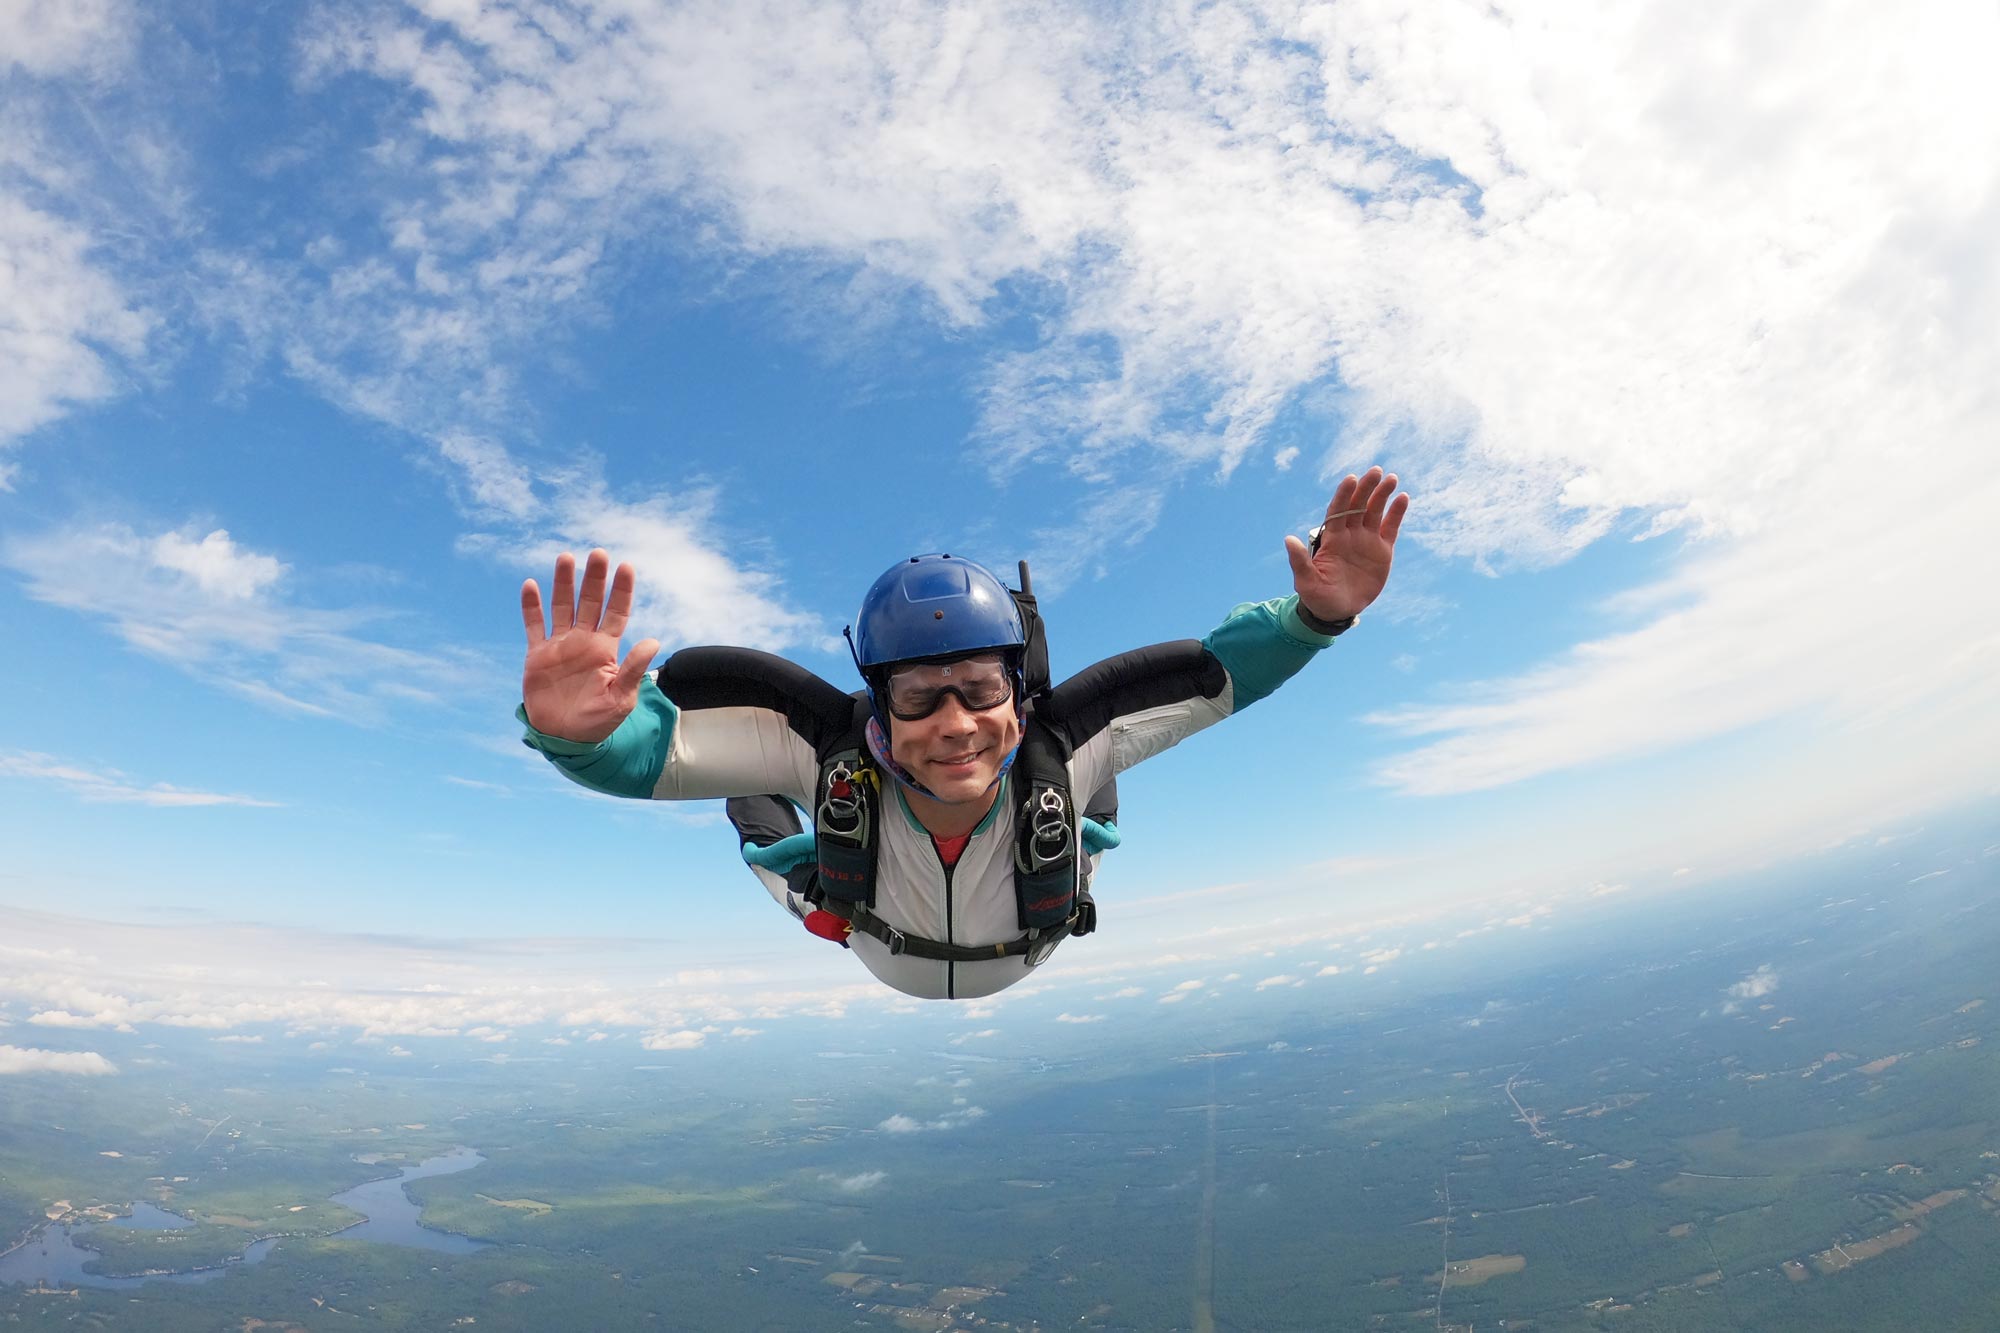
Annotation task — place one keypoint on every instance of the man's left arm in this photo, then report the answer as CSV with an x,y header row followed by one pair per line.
x,y
1128,708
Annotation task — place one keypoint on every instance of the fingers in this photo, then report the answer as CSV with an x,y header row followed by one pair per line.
x,y
1378,501
619,609
531,613
1392,523
1351,498
635,666
563,593
1343,497
590,605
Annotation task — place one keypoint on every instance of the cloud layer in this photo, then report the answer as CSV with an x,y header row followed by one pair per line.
x,y
1722,279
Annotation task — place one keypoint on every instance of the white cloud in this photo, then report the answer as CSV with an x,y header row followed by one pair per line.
x,y
62,1018
216,564
223,613
29,1060
1591,275
859,1183
110,784
1079,1018
1330,970
1282,979
1576,272
683,1040
980,1035
904,1124
1754,986
494,479
67,319
51,37
689,590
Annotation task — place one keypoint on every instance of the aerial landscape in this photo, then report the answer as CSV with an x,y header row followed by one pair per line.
x,y
1758,1106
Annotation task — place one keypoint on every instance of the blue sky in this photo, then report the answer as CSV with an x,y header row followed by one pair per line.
x,y
328,325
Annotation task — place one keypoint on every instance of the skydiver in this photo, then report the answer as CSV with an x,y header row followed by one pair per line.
x,y
949,849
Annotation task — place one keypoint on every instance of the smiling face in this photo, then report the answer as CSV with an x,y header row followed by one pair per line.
x,y
955,751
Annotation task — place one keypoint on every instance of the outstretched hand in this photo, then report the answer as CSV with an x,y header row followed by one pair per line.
x,y
1356,547
573,684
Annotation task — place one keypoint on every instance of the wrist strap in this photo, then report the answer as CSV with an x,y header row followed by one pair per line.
x,y
1331,628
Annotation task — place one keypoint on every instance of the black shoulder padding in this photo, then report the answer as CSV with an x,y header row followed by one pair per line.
x,y
1035,655
697,678
1144,678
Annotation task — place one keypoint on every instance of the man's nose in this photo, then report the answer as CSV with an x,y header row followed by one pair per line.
x,y
953,717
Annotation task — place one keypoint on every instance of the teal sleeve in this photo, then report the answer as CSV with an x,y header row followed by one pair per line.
x,y
628,762
1262,645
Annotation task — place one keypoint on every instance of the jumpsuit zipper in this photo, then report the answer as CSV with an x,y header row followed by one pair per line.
x,y
950,968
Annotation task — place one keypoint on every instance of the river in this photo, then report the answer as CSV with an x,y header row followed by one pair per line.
x,y
55,1257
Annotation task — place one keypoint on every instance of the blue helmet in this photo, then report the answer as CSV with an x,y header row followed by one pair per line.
x,y
934,606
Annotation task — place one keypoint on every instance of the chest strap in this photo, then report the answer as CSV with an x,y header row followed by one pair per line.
x,y
1035,945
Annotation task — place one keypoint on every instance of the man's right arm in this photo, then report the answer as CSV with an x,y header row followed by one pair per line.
x,y
714,722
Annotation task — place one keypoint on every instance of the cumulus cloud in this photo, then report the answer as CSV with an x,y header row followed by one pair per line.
x,y
981,1035
1754,986
62,1018
905,1124
684,1040
29,1060
1079,1018
691,587
860,1183
1282,979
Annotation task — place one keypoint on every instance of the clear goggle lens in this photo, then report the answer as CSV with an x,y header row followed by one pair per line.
x,y
980,683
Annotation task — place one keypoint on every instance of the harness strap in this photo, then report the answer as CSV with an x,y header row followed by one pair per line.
x,y
1036,945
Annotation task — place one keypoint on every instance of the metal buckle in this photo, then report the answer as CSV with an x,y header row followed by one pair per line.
x,y
1049,829
896,940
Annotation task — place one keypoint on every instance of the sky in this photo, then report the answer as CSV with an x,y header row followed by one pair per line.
x,y
324,325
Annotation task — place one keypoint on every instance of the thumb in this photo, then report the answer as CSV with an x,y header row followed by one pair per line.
x,y
1301,558
633,669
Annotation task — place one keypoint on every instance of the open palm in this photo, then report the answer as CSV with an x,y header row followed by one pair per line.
x,y
573,683
1350,566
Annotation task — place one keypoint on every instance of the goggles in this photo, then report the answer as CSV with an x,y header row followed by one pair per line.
x,y
979,683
